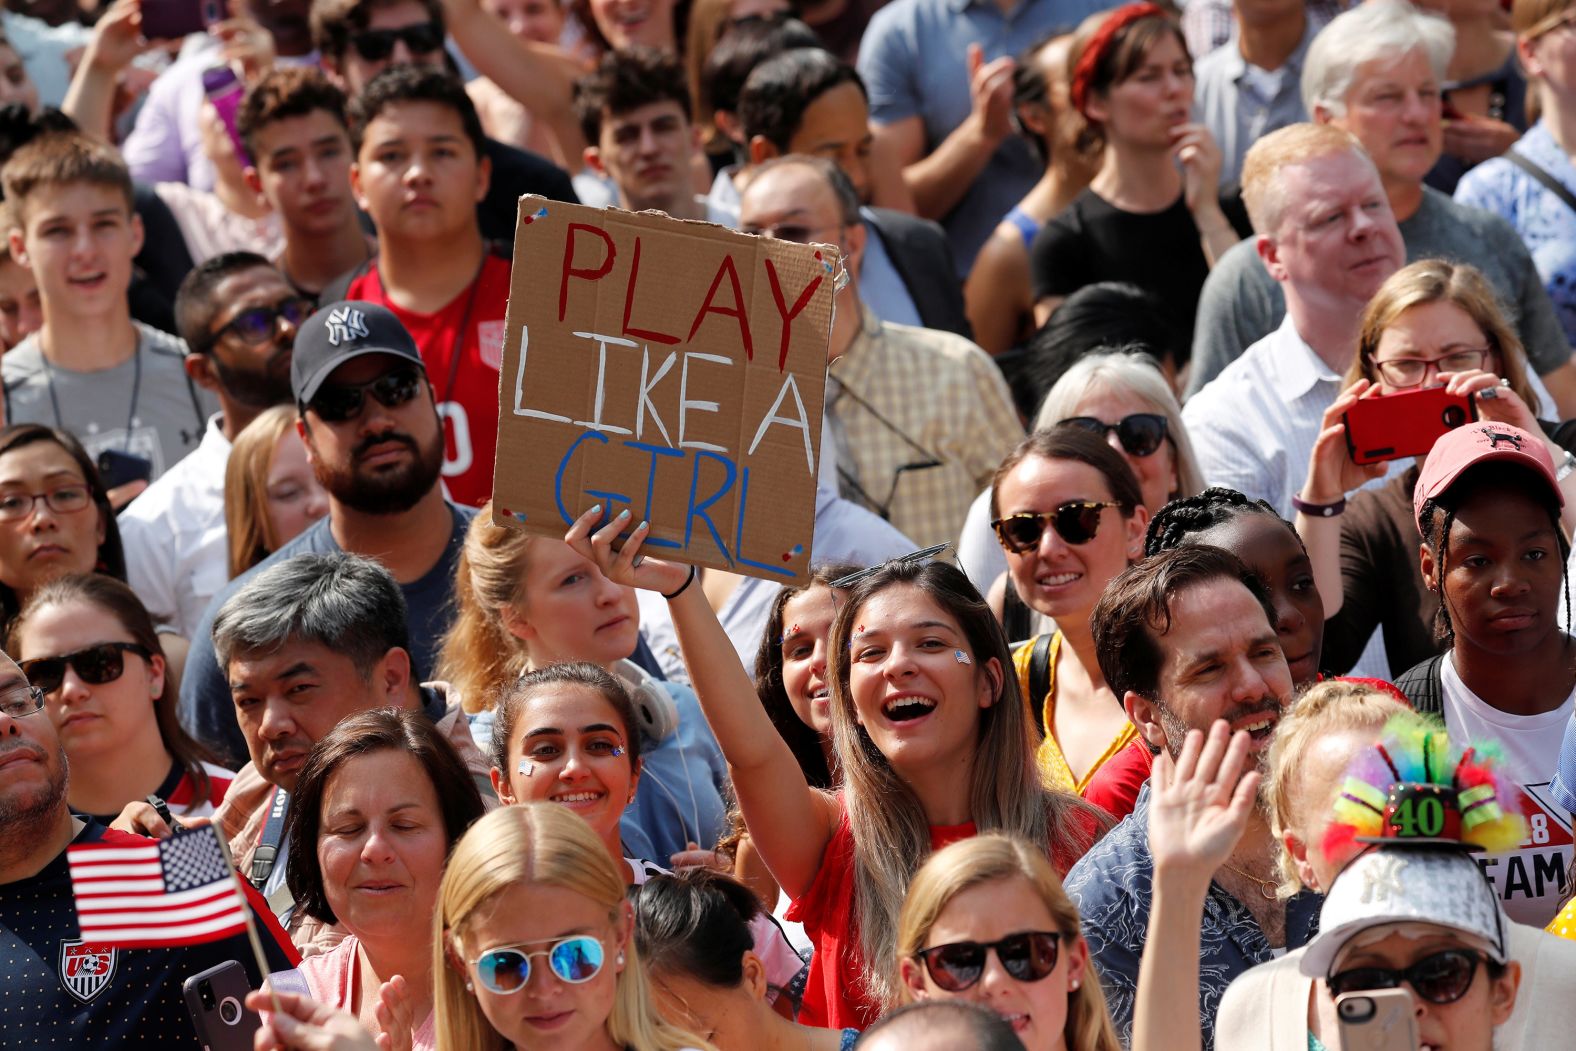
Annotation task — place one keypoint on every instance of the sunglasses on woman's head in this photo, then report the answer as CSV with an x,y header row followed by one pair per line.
x,y
1141,433
1027,956
507,969
1442,978
94,665
336,403
1076,522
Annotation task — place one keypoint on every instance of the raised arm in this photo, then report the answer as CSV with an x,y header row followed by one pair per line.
x,y
1331,476
538,76
789,822
116,40
1199,806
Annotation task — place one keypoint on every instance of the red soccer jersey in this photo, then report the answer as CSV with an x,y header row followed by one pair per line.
x,y
462,347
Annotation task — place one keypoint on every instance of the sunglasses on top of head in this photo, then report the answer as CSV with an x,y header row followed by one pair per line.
x,y
507,969
1076,522
375,45
338,402
1440,978
1028,956
1141,433
94,665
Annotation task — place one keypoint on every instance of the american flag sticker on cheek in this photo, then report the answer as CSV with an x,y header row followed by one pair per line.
x,y
489,336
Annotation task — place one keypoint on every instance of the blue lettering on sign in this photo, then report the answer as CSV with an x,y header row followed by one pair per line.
x,y
695,509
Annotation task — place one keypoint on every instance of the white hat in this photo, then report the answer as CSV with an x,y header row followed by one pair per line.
x,y
1392,884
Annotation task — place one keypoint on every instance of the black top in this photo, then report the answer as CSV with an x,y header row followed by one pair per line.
x,y
57,992
1092,240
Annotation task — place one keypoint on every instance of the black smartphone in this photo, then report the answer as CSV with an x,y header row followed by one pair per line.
x,y
216,1000
173,19
117,468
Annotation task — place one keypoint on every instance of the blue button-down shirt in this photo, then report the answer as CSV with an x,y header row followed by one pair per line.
x,y
1114,887
914,59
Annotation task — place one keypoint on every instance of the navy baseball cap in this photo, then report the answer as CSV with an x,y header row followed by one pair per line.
x,y
340,332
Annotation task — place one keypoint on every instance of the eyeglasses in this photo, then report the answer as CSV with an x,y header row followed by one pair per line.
x,y
923,554
1442,978
1076,522
1027,956
63,500
23,700
798,233
257,324
337,403
1141,433
94,665
375,45
1409,372
574,960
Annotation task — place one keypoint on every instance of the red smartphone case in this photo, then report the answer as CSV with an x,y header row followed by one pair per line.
x,y
1394,426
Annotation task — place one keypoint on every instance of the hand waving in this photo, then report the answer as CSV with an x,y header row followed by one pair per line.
x,y
1200,803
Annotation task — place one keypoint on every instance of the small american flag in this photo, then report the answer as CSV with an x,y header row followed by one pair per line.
x,y
178,891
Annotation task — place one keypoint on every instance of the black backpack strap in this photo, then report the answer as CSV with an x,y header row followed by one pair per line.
x,y
1017,620
1040,678
1549,182
1424,686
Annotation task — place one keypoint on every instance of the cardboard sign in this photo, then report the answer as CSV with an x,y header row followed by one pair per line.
x,y
676,369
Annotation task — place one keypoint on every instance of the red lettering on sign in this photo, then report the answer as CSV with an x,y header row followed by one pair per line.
x,y
595,274
737,311
782,309
629,306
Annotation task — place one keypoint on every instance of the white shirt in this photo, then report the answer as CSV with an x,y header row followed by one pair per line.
x,y
1528,878
1254,425
174,535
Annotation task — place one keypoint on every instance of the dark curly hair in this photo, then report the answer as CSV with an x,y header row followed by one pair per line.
x,y
1215,506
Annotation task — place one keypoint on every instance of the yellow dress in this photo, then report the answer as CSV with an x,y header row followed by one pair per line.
x,y
1053,765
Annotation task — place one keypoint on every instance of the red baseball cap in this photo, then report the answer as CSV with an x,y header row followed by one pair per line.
x,y
1480,442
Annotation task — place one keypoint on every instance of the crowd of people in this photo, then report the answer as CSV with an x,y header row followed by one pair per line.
x,y
1185,661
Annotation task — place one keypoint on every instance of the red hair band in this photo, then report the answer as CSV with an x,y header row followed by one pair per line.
x,y
1100,43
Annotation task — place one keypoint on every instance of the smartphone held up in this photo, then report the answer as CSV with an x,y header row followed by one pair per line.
x,y
1394,426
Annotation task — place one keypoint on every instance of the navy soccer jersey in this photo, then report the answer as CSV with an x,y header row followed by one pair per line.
x,y
56,991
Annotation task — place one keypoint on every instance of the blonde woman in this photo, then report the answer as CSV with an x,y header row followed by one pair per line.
x,y
270,492
533,946
1433,323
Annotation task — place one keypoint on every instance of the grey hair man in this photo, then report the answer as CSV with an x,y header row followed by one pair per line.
x,y
305,643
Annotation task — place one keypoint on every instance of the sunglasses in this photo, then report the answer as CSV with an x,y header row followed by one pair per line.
x,y
1076,522
1141,433
1027,956
95,665
260,323
1442,978
922,555
574,960
340,402
375,45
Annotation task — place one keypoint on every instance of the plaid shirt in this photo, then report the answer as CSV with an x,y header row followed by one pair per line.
x,y
921,418
1207,24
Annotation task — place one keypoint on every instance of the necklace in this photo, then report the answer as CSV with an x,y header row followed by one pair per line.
x,y
1266,886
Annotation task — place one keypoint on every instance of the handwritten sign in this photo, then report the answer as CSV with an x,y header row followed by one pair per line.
x,y
674,369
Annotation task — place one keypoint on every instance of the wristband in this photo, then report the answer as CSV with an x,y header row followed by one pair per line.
x,y
1318,510
687,582
1567,465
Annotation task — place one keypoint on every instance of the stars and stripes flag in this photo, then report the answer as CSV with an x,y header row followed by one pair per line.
x,y
178,891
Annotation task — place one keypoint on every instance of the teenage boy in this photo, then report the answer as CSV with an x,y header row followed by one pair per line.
x,y
116,383
293,124
419,171
635,113
358,39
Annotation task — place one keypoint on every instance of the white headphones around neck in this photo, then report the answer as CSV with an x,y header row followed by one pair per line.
x,y
655,711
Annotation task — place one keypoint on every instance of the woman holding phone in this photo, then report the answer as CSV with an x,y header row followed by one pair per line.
x,y
932,739
1432,324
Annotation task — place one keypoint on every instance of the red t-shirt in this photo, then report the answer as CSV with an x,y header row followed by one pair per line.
x,y
835,995
1114,787
465,383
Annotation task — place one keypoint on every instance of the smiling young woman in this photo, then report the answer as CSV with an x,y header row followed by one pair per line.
x,y
932,738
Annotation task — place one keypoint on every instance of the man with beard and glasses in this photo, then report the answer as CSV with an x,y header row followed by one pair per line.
x,y
59,991
1184,638
238,316
374,441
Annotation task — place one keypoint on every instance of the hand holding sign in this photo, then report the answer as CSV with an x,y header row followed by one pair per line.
x,y
593,536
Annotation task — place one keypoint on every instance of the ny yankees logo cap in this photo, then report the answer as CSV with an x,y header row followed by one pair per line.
x,y
340,332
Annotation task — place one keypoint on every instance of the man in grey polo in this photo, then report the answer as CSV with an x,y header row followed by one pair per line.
x,y
946,114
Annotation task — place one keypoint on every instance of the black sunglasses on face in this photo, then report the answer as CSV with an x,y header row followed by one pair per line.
x,y
375,45
1442,978
336,403
1076,522
1140,433
257,324
94,665
1027,956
